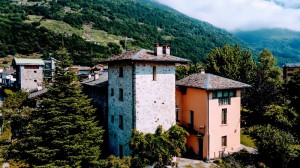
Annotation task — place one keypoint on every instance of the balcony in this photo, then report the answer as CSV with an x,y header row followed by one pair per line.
x,y
193,129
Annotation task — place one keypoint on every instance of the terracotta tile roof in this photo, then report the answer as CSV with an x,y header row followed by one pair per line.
x,y
144,55
210,82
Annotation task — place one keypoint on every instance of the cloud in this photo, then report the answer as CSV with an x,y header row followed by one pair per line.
x,y
235,15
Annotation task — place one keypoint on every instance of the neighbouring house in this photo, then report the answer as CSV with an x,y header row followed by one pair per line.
x,y
208,106
31,74
96,89
7,76
141,94
289,69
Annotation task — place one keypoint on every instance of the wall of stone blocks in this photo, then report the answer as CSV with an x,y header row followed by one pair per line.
x,y
155,99
30,78
116,107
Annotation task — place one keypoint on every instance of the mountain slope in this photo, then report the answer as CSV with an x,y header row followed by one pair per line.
x,y
145,22
283,43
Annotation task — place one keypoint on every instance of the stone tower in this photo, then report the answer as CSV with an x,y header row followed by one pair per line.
x,y
141,94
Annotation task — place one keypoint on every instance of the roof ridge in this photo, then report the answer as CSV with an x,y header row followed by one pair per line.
x,y
207,85
138,53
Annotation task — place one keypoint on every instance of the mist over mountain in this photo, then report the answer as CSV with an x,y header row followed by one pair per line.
x,y
283,43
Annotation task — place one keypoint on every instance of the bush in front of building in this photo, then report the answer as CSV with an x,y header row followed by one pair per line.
x,y
157,148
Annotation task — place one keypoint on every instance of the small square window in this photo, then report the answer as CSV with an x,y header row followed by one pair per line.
x,y
224,116
112,119
154,73
112,92
34,71
35,80
232,93
224,141
225,93
121,72
121,97
121,122
121,151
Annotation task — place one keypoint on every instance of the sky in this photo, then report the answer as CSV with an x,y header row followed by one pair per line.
x,y
244,15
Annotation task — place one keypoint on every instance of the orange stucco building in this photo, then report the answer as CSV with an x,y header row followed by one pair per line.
x,y
208,106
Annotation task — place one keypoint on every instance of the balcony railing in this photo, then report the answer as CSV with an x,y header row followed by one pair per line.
x,y
224,101
193,129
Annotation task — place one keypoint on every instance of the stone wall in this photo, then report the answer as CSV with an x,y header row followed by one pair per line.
x,y
30,78
155,99
147,103
120,136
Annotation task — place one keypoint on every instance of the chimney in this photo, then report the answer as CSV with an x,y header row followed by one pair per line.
x,y
166,50
96,76
158,49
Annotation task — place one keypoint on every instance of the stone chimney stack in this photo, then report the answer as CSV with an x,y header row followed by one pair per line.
x,y
166,50
158,49
96,76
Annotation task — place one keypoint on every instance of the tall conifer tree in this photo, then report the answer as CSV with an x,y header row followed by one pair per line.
x,y
63,130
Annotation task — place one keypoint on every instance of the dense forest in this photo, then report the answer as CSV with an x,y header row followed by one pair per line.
x,y
143,21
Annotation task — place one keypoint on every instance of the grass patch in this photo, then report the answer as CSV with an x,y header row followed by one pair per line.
x,y
87,32
33,18
247,141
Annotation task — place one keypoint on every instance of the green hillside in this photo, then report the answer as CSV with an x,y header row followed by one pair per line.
x,y
283,43
95,23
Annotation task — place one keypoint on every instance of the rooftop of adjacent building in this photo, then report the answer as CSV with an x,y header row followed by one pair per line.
x,y
97,81
28,61
292,65
209,81
145,55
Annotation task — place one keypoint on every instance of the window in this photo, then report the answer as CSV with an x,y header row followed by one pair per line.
x,y
224,116
224,101
121,122
112,119
121,94
177,113
35,80
223,93
154,73
31,67
121,151
223,96
34,71
121,72
191,119
224,141
112,92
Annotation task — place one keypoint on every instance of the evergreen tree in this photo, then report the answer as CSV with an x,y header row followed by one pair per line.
x,y
62,131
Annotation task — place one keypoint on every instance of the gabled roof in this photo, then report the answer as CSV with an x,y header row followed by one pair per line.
x,y
208,81
144,55
292,65
28,61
